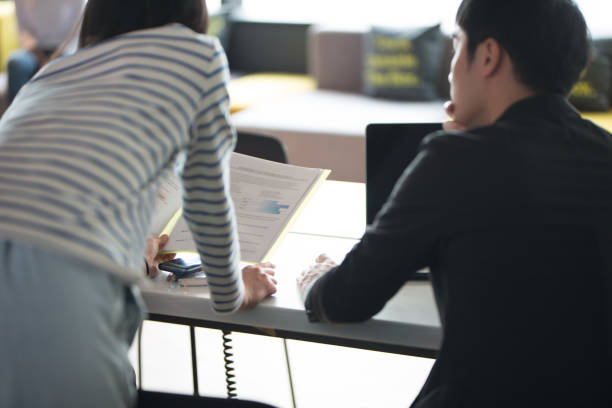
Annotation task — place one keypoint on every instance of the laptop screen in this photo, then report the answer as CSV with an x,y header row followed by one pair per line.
x,y
390,147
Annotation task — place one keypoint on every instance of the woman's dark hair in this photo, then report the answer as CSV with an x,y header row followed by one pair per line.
x,y
104,19
547,40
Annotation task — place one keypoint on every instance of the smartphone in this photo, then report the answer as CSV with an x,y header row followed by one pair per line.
x,y
186,264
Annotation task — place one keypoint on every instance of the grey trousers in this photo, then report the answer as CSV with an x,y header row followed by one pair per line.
x,y
65,331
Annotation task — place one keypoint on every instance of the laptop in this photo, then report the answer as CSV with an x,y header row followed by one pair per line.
x,y
390,147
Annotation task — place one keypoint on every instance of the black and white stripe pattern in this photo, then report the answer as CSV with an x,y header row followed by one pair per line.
x,y
84,145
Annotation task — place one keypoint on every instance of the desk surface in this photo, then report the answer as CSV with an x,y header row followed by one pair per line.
x,y
408,324
336,210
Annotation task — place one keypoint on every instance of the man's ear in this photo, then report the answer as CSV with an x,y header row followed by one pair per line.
x,y
490,57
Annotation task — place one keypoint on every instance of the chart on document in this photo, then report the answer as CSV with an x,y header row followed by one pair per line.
x,y
267,197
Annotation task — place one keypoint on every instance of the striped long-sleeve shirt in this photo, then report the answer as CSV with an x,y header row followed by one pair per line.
x,y
85,143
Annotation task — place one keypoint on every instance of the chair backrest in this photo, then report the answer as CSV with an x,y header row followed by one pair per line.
x,y
262,146
254,46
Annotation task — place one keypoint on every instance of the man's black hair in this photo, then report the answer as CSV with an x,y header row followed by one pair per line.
x,y
547,40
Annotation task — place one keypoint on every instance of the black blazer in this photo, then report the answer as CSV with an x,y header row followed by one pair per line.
x,y
514,221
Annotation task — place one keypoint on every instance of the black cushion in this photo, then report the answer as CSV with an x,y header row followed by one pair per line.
x,y
604,47
403,63
593,90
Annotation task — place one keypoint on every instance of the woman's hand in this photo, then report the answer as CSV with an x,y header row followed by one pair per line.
x,y
259,283
153,257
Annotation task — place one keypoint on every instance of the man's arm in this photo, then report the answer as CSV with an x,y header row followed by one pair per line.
x,y
402,239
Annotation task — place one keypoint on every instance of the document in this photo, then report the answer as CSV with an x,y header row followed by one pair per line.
x,y
268,197
169,199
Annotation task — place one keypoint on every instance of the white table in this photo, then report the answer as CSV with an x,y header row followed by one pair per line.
x,y
336,210
408,324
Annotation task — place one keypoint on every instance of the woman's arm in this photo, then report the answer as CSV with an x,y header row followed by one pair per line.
x,y
208,207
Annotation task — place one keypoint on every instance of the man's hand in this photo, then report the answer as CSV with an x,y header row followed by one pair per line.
x,y
322,265
153,257
259,283
451,125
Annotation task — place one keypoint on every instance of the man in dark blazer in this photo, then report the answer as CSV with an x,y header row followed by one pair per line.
x,y
511,209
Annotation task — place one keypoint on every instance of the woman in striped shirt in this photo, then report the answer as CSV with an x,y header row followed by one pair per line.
x,y
82,151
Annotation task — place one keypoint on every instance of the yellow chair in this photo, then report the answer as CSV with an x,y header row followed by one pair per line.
x,y
9,37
